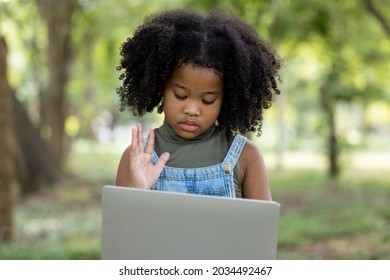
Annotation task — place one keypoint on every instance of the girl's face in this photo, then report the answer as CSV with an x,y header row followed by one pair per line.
x,y
192,100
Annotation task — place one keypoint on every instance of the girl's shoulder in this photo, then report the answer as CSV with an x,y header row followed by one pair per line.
x,y
251,157
250,150
254,177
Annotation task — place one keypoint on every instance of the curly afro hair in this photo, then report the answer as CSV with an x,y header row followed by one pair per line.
x,y
218,40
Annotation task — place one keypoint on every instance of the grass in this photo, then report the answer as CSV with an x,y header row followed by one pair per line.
x,y
62,223
320,218
324,219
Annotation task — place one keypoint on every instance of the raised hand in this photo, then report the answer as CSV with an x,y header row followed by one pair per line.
x,y
143,173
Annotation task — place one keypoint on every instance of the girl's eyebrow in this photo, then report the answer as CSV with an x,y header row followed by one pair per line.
x,y
181,86
188,90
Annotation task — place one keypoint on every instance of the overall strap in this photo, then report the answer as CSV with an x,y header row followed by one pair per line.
x,y
234,153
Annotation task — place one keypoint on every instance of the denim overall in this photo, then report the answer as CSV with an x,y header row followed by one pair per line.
x,y
215,180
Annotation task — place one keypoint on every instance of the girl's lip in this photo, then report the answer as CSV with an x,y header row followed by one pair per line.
x,y
189,126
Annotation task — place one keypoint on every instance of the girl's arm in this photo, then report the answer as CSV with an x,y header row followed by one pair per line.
x,y
254,178
135,167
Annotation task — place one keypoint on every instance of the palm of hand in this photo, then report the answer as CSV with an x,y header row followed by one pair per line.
x,y
143,173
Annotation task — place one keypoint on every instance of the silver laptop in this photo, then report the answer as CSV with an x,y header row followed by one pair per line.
x,y
145,224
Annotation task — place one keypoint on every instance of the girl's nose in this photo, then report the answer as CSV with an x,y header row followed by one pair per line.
x,y
192,109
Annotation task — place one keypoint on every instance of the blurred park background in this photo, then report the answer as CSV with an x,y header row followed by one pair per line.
x,y
325,139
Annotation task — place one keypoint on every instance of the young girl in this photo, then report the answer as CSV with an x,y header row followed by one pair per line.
x,y
212,76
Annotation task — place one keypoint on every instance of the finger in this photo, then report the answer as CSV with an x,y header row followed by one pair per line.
x,y
134,141
150,143
140,137
163,160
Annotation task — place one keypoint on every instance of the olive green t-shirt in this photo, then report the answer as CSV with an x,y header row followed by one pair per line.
x,y
207,149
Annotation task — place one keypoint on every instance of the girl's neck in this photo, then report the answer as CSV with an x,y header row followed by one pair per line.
x,y
168,133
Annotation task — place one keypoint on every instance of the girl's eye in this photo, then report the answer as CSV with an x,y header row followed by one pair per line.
x,y
208,102
179,96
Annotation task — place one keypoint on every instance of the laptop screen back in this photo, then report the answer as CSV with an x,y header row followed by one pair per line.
x,y
145,224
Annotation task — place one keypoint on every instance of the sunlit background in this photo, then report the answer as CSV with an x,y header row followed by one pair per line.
x,y
325,140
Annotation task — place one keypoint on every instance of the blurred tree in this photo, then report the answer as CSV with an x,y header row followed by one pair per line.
x,y
351,48
58,16
380,15
7,149
34,165
328,90
334,56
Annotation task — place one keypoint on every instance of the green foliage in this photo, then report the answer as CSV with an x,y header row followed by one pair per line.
x,y
321,42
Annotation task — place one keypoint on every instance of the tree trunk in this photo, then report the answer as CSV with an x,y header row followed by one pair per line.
x,y
7,150
332,145
36,167
58,16
380,17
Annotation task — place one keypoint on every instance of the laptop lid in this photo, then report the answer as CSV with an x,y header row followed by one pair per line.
x,y
146,224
